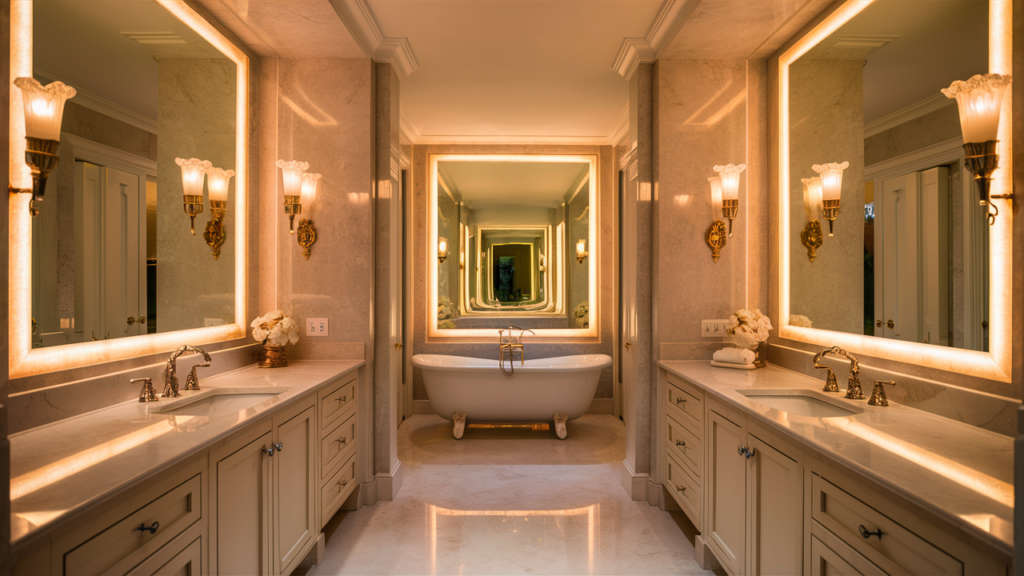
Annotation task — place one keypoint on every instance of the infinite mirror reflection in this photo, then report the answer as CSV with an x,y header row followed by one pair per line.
x,y
507,236
909,256
112,251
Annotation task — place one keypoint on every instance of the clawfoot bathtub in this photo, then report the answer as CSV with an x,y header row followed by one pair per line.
x,y
543,390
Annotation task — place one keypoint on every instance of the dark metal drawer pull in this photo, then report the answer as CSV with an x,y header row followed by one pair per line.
x,y
151,529
865,533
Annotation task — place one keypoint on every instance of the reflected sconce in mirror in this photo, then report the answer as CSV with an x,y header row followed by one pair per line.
x,y
442,249
716,234
44,112
831,174
292,174
193,173
811,236
307,232
542,267
218,180
462,261
730,182
581,250
979,101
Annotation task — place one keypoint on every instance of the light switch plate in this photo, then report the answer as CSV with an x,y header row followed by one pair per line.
x,y
713,328
316,326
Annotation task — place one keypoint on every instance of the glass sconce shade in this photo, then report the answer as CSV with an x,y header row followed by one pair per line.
x,y
581,250
812,197
442,249
292,173
979,101
730,175
44,107
716,192
218,180
831,179
310,182
193,172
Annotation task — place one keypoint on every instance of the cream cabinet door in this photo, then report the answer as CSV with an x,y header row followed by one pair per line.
x,y
294,488
726,491
243,509
775,500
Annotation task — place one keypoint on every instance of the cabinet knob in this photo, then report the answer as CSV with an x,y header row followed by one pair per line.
x,y
865,533
343,440
681,488
342,399
279,447
741,450
153,528
890,324
680,443
748,452
268,451
342,483
130,320
878,323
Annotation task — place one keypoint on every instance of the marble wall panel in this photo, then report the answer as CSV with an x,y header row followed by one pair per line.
x,y
100,128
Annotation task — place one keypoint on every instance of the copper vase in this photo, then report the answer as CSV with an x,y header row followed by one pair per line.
x,y
273,357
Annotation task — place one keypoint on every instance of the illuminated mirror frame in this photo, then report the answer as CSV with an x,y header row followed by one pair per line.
x,y
994,364
476,334
26,361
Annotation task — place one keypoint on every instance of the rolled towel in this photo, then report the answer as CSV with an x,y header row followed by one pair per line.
x,y
734,356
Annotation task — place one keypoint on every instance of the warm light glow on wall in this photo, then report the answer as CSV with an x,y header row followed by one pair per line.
x,y
24,361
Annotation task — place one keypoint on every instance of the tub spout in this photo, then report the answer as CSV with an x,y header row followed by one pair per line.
x,y
509,346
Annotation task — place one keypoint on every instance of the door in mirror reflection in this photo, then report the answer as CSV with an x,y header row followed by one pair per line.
x,y
909,256
112,251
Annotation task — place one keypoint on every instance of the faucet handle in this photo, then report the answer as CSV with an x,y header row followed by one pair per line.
x,y
878,394
147,394
192,381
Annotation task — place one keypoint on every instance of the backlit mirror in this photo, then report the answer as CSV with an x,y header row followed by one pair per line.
x,y
908,258
512,240
112,251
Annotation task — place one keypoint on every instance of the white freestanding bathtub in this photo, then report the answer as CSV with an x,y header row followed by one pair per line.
x,y
542,390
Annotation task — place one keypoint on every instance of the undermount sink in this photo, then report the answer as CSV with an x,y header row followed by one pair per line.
x,y
801,402
217,401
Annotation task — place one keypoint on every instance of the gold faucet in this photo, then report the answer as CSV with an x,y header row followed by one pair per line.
x,y
509,346
171,371
878,394
853,390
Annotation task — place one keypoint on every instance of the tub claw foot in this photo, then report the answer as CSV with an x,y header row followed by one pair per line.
x,y
460,424
560,419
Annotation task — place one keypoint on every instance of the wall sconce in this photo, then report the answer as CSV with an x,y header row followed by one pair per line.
x,y
831,189
811,236
193,173
292,175
716,234
218,180
542,267
442,249
581,250
730,183
979,101
462,260
307,232
44,112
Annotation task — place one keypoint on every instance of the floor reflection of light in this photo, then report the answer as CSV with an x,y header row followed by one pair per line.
x,y
591,512
983,484
61,469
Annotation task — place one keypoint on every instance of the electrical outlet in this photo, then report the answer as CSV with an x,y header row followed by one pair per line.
x,y
316,326
713,328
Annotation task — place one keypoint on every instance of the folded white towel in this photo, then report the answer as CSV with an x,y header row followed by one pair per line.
x,y
734,356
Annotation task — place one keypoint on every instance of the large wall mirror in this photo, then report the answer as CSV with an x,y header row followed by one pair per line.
x,y
113,251
513,240
902,252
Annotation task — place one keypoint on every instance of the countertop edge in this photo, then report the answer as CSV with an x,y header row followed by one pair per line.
x,y
953,519
73,513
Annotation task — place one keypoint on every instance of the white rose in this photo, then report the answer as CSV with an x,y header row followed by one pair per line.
x,y
745,316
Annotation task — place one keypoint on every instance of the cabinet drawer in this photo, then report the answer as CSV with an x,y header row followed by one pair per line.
x,y
174,560
687,402
337,444
336,403
337,489
122,546
845,562
683,444
685,488
898,550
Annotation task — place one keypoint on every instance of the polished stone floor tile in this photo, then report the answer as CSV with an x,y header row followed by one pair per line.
x,y
509,501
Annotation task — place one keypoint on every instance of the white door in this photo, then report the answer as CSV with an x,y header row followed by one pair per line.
x,y
88,250
124,253
725,512
934,251
294,488
775,496
896,288
243,510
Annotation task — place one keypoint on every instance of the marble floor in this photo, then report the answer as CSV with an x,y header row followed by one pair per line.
x,y
509,502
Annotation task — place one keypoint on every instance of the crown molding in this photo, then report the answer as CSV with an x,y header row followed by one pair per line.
x,y
362,25
409,133
109,157
87,99
620,129
666,24
902,116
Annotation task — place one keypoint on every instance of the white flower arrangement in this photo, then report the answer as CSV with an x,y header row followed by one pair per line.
x,y
748,328
445,308
275,329
582,314
799,320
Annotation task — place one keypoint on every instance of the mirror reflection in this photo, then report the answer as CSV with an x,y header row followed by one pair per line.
x,y
907,257
507,236
112,250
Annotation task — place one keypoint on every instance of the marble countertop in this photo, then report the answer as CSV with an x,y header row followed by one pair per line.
x,y
61,468
957,471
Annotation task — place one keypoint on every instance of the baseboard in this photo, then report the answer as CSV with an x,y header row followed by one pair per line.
x,y
388,485
364,495
634,484
597,406
654,493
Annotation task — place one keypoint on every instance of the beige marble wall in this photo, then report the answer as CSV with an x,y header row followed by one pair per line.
x,y
196,119
826,118
932,128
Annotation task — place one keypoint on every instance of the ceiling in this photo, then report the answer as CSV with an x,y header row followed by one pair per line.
x,y
513,183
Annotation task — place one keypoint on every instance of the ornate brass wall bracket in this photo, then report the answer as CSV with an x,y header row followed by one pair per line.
x,y
981,159
293,207
812,238
715,238
193,207
41,157
214,234
729,210
306,236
